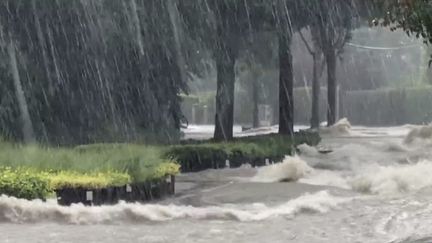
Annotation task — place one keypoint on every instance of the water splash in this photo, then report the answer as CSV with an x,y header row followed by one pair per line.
x,y
342,127
14,210
291,169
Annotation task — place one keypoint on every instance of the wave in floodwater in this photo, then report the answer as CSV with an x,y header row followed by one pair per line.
x,y
419,134
383,167
290,169
414,239
14,210
385,180
342,127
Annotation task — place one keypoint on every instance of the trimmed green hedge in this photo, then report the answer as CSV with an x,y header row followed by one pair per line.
x,y
33,172
196,156
139,161
31,184
23,183
71,179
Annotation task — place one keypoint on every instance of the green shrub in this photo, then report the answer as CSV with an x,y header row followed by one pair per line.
x,y
23,183
71,179
196,156
33,171
140,162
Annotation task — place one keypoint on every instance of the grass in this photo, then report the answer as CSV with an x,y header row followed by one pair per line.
x,y
34,171
140,162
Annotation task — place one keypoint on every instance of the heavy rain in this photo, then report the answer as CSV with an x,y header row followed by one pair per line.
x,y
215,121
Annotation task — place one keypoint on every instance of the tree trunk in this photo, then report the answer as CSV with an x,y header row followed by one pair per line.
x,y
331,86
27,126
255,100
286,77
224,119
315,118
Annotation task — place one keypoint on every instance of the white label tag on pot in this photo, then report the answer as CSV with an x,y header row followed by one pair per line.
x,y
89,195
128,188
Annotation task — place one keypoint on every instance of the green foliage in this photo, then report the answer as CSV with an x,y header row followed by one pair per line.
x,y
23,183
413,16
32,184
138,160
254,150
71,179
32,171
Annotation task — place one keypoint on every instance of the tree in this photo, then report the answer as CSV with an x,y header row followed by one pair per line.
x,y
290,15
235,21
286,75
225,29
333,20
225,56
318,68
250,73
413,16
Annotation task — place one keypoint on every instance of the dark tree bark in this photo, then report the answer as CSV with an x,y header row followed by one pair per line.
x,y
255,100
315,119
286,78
317,69
330,56
224,119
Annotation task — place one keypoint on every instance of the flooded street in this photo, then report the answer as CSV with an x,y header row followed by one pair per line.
x,y
373,187
106,102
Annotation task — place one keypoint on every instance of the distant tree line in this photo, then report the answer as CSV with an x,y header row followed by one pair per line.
x,y
232,23
107,70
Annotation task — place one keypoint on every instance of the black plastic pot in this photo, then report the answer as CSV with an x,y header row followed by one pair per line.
x,y
137,192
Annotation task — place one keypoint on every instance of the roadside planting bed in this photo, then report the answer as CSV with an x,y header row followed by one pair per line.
x,y
92,175
195,156
107,173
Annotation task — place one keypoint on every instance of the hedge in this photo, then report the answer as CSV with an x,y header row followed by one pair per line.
x,y
23,183
33,171
196,156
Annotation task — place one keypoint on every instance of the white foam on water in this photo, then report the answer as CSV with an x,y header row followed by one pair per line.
x,y
306,150
420,134
290,169
394,179
396,147
326,178
342,127
14,210
382,167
